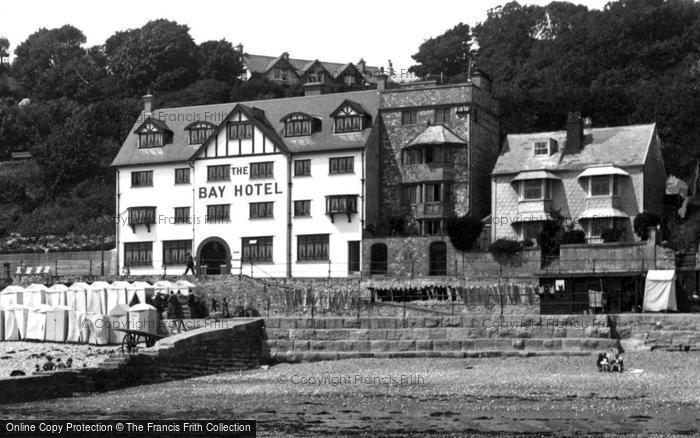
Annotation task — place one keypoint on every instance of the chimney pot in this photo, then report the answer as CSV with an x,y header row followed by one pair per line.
x,y
381,81
148,104
574,133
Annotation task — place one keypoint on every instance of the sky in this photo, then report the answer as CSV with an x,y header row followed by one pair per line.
x,y
377,31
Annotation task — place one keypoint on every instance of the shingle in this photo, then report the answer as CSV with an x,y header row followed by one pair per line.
x,y
621,146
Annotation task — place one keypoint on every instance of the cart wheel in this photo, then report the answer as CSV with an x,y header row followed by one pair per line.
x,y
129,343
150,341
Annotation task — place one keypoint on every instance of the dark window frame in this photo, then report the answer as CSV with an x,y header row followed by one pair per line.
x,y
240,130
304,211
409,117
143,252
261,210
261,251
136,178
182,175
341,165
302,167
180,247
313,247
218,213
262,170
182,215
219,172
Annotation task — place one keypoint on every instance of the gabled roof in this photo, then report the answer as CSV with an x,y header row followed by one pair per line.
x,y
159,124
200,122
260,63
298,113
354,105
436,134
621,145
269,113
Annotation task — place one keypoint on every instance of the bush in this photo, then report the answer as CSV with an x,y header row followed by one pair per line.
x,y
16,243
573,236
464,231
505,250
611,235
642,223
550,236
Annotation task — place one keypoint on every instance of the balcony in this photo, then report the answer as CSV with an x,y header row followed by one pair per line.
x,y
427,210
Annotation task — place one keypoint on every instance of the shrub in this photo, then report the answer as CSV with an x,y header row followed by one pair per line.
x,y
573,236
611,235
642,223
464,231
505,250
550,236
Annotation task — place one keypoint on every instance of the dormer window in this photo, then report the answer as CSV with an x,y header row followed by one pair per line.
x,y
350,117
199,131
300,124
316,76
153,134
546,147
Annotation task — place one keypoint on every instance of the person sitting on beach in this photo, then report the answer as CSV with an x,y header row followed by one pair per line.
x,y
49,365
37,368
69,363
60,365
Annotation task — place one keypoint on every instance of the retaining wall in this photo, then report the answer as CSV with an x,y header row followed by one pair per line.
x,y
207,350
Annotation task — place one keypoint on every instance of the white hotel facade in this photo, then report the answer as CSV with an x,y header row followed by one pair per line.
x,y
265,188
285,187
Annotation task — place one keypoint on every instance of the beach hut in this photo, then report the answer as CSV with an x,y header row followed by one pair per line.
x,y
660,291
163,287
84,327
10,326
56,295
184,287
20,314
118,319
117,294
73,328
56,324
35,295
143,317
12,294
36,323
99,329
141,290
76,296
97,298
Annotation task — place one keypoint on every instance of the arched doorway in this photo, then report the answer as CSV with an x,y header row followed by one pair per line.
x,y
378,259
214,256
438,258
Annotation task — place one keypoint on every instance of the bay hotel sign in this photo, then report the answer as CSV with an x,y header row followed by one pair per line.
x,y
239,190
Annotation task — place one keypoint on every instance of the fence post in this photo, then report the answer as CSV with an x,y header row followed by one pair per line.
x,y
329,270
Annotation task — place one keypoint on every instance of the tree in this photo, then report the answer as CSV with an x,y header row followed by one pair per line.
x,y
464,231
160,56
448,54
220,61
643,221
51,64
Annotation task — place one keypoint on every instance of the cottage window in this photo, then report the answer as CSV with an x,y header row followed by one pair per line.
x,y
431,227
175,251
138,254
200,131
600,185
262,170
261,209
541,148
536,189
312,247
142,216
182,215
240,131
409,117
442,115
182,176
257,249
300,125
302,167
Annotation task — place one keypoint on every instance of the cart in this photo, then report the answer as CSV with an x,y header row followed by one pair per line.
x,y
133,337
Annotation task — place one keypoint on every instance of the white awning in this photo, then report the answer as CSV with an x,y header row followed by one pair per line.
x,y
604,212
534,174
603,170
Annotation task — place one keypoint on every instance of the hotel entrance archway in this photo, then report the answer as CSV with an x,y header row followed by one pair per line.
x,y
214,256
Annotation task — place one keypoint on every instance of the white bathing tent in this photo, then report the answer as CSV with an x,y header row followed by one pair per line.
x,y
184,287
143,317
2,324
12,294
118,319
57,324
76,296
163,287
20,313
10,326
99,329
142,290
56,295
73,329
660,291
36,322
35,295
117,294
97,298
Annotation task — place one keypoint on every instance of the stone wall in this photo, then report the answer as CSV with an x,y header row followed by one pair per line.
x,y
208,350
64,263
409,257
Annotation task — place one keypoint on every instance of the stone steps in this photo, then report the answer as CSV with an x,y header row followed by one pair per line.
x,y
315,356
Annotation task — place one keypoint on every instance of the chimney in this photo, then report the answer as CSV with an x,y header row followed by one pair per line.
x,y
574,133
239,48
381,81
148,104
285,55
313,88
481,80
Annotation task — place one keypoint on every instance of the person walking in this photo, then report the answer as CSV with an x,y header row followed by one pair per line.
x,y
190,265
